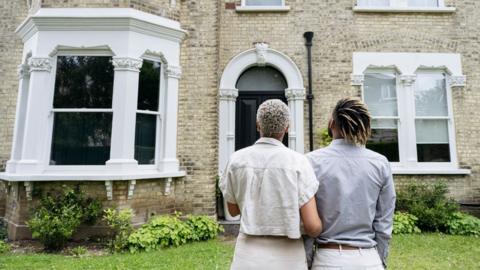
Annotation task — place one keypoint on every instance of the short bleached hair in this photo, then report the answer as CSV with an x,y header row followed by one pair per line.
x,y
273,117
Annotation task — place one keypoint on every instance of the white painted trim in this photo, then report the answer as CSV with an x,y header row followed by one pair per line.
x,y
407,66
81,175
262,8
404,9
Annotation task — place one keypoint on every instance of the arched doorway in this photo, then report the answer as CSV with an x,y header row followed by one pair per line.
x,y
255,85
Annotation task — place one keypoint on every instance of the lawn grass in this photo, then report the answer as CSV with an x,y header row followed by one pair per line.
x,y
424,251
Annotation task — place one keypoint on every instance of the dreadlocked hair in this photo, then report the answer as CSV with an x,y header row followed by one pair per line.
x,y
352,119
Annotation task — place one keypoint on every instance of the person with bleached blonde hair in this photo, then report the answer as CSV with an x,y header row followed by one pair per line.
x,y
273,189
356,194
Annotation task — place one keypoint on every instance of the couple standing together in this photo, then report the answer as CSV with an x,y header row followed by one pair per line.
x,y
330,209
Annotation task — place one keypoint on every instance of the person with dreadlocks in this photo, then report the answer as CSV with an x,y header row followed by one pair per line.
x,y
356,195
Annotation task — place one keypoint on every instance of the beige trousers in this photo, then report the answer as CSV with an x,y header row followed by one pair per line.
x,y
267,252
332,259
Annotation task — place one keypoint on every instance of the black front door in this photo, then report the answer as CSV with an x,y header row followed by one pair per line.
x,y
246,112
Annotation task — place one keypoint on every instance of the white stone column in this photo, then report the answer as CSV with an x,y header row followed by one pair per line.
x,y
407,124
226,127
19,128
169,161
39,102
124,105
296,137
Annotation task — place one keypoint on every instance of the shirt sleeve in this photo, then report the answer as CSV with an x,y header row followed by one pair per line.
x,y
383,222
307,183
226,186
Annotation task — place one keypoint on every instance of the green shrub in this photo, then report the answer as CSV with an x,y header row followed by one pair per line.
x,y
78,251
4,247
463,224
3,230
203,227
405,223
429,203
322,137
57,218
159,232
120,223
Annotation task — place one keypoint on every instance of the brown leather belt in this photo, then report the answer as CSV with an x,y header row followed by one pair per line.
x,y
337,246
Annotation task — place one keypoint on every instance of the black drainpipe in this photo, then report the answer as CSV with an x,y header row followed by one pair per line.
x,y
308,43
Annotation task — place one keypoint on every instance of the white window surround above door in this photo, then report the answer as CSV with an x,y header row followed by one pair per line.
x,y
129,36
261,55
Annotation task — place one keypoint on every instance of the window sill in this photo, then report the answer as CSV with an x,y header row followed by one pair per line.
x,y
404,9
443,171
90,176
262,8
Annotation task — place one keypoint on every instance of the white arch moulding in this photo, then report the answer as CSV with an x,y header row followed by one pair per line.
x,y
260,55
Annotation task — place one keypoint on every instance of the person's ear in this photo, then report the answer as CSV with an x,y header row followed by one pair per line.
x,y
258,126
287,128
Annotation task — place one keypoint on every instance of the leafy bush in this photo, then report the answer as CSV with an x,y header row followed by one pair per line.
x,y
203,228
405,223
463,224
4,247
119,222
429,203
3,230
322,137
159,232
78,251
56,219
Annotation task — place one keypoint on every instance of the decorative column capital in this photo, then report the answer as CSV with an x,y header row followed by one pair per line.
x,y
357,79
127,63
408,80
174,71
261,51
22,71
40,64
228,94
458,80
295,94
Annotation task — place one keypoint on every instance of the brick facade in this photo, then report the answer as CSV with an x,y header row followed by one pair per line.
x,y
217,33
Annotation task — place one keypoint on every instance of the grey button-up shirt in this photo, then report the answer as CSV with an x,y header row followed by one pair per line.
x,y
356,196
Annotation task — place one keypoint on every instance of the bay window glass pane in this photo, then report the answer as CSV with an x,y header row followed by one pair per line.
x,y
384,139
149,86
263,2
432,140
373,3
145,131
380,94
81,138
83,82
423,3
431,95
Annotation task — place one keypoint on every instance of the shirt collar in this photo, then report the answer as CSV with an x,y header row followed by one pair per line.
x,y
344,142
269,141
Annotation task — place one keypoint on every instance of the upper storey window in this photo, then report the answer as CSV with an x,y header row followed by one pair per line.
x,y
402,6
262,6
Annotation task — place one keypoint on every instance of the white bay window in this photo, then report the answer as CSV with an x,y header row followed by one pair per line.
x,y
99,102
262,6
410,101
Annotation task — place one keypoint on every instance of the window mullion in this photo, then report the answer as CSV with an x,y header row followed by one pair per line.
x,y
409,145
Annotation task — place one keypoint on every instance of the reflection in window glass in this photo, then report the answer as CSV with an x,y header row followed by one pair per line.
x,y
146,124
423,3
432,140
261,79
380,95
431,95
81,138
83,82
384,139
373,3
145,130
263,2
148,86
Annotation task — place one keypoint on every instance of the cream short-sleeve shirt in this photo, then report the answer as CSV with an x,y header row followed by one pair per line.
x,y
270,183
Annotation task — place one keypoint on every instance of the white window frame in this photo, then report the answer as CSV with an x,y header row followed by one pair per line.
x,y
48,34
252,8
402,6
407,66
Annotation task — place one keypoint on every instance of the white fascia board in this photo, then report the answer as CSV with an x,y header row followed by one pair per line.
x,y
90,176
404,9
100,19
407,63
